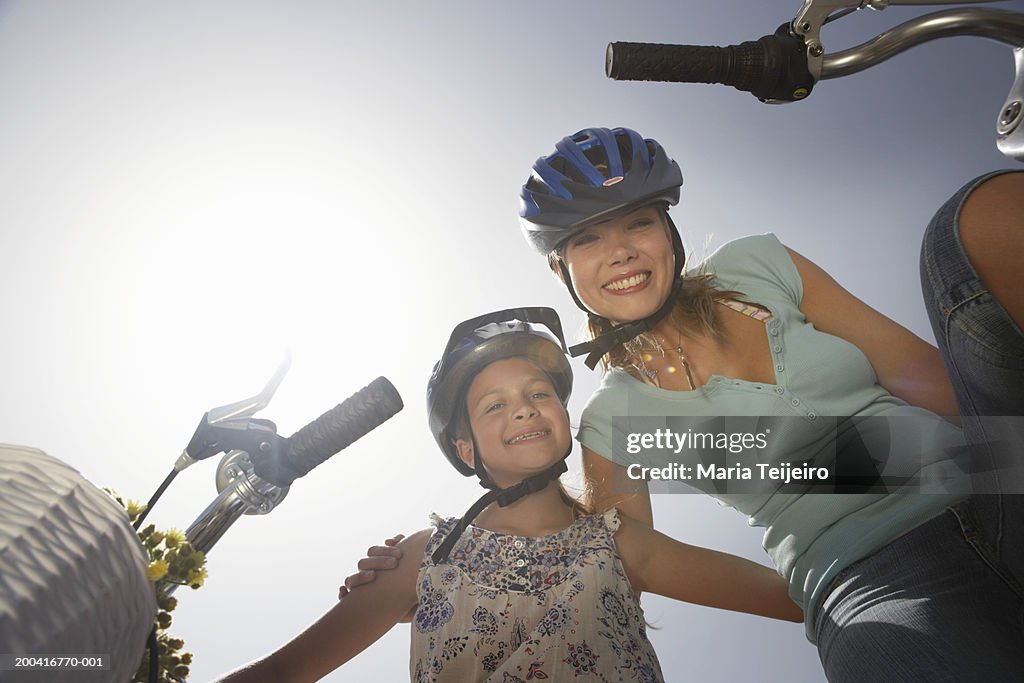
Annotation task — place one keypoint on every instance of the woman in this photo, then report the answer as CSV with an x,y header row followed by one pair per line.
x,y
894,586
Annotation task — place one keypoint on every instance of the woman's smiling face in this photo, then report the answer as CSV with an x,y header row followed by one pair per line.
x,y
623,268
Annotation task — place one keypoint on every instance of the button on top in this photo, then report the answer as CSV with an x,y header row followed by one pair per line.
x,y
520,563
780,367
774,332
779,390
777,347
519,544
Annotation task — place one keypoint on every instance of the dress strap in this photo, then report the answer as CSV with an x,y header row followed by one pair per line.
x,y
755,311
611,520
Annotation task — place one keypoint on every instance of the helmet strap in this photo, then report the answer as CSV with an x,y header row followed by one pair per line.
x,y
599,346
564,270
478,467
504,497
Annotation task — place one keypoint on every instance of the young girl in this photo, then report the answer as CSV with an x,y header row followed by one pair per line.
x,y
535,588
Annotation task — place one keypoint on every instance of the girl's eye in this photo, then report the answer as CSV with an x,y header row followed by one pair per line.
x,y
640,224
497,405
540,395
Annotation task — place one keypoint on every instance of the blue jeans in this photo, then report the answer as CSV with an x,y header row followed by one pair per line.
x,y
981,344
945,601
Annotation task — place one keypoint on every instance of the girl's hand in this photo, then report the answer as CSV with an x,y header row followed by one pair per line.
x,y
378,557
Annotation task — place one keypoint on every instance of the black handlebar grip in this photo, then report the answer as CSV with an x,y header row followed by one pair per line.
x,y
730,65
772,67
351,419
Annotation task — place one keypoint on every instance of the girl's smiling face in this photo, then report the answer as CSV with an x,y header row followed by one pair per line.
x,y
520,425
623,268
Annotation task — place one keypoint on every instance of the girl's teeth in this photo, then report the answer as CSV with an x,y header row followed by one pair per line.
x,y
526,436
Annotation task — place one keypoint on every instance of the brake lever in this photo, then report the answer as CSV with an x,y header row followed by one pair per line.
x,y
233,416
816,13
246,408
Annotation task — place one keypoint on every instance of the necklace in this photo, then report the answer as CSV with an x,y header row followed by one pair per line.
x,y
686,363
652,374
756,311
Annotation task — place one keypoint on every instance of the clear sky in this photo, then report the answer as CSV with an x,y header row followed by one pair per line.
x,y
190,189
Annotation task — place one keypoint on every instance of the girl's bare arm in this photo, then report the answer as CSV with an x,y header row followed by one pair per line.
x,y
658,564
347,629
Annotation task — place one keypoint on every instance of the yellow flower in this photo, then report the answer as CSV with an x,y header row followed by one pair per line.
x,y
134,509
174,538
196,577
172,559
157,570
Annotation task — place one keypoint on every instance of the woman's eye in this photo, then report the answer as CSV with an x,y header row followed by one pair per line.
x,y
640,224
583,240
540,395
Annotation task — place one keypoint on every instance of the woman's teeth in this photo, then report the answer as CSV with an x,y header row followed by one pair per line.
x,y
628,282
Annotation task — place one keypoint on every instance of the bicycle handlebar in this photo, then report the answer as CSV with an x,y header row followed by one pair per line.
x,y
772,67
255,481
346,422
1003,26
784,66
739,65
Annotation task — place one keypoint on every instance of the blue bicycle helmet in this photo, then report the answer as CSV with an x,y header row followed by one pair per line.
x,y
592,175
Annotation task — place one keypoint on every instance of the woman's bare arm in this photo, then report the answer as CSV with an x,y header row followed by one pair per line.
x,y
658,564
906,365
347,629
608,487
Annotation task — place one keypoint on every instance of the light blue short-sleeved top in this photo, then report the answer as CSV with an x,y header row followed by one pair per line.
x,y
810,537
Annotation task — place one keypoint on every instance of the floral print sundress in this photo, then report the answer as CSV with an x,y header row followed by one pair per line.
x,y
510,609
